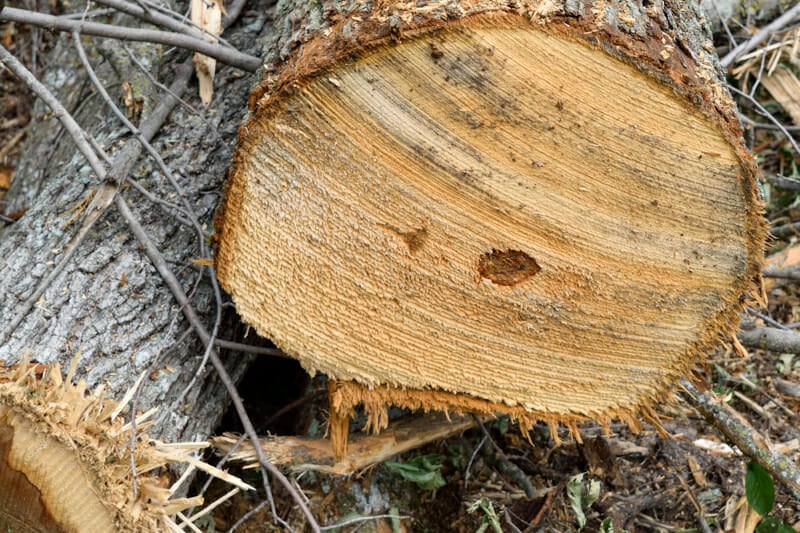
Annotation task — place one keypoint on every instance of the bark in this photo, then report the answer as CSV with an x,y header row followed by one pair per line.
x,y
108,307
404,167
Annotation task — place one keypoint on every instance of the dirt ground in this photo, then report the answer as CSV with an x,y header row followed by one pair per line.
x,y
492,478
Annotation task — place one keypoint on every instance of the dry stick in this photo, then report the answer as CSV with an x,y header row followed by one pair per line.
x,y
760,36
183,102
177,291
744,436
763,112
786,273
786,230
194,222
100,201
221,53
772,339
249,348
165,21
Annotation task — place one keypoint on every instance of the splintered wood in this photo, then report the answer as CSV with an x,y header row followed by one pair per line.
x,y
490,218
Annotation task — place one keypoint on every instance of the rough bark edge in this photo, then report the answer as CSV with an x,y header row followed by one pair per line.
x,y
50,404
346,395
656,45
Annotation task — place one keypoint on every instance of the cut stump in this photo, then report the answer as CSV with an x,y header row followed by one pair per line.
x,y
545,210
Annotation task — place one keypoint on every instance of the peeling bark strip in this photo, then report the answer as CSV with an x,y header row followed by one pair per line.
x,y
594,141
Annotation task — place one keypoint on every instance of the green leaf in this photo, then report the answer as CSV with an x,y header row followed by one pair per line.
x,y
759,489
489,516
606,526
424,470
774,525
575,495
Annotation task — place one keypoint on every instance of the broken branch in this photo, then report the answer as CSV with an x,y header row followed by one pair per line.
x,y
221,53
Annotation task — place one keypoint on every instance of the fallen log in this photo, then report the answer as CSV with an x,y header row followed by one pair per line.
x,y
542,208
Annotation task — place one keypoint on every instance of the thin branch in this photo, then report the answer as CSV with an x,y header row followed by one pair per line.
x,y
763,112
165,21
52,102
785,273
760,36
221,53
249,348
100,201
786,230
772,339
743,435
783,182
183,102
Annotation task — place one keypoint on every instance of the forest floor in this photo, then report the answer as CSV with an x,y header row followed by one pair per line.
x,y
492,478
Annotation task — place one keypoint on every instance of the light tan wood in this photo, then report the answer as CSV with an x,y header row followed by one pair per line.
x,y
65,460
544,210
64,492
301,454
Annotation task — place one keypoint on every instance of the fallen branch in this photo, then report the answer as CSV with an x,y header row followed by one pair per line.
x,y
165,21
786,230
772,339
302,454
760,36
226,55
788,273
743,435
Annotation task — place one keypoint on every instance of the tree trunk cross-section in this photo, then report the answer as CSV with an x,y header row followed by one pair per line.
x,y
538,208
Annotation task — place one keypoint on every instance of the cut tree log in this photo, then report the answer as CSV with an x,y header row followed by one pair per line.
x,y
540,208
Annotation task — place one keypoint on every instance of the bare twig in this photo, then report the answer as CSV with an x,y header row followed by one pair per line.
x,y
762,35
763,112
773,339
221,53
783,182
151,250
183,102
785,230
249,348
742,434
165,21
785,273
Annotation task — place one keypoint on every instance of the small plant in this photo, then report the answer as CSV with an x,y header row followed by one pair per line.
x,y
760,492
489,516
581,496
424,470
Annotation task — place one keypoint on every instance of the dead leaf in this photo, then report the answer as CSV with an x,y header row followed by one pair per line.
x,y
697,472
746,518
133,104
6,173
784,87
716,447
208,15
